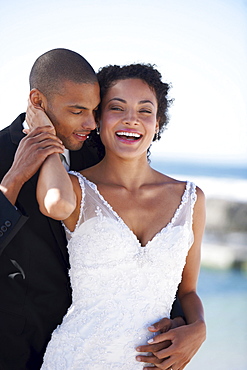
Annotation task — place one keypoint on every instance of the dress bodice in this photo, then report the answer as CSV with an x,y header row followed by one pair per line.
x,y
119,287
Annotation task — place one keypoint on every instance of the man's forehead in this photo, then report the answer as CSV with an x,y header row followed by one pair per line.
x,y
69,84
78,95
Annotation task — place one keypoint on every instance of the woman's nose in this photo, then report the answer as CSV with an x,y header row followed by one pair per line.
x,y
131,117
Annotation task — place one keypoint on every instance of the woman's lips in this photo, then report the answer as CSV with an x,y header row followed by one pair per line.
x,y
128,136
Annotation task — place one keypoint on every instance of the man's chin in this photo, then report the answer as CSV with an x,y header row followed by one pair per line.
x,y
74,147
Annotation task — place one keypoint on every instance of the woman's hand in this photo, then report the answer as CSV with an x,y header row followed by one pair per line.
x,y
36,117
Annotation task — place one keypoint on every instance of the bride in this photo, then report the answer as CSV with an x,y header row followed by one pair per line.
x,y
134,234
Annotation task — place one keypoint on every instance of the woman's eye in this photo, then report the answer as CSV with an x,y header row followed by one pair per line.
x,y
146,111
116,108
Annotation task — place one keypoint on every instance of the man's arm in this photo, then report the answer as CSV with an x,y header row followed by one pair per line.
x,y
31,153
177,311
11,220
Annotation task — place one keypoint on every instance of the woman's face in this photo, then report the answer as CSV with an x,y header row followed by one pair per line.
x,y
128,118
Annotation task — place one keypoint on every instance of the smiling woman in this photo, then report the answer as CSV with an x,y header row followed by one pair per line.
x,y
131,119
134,238
149,107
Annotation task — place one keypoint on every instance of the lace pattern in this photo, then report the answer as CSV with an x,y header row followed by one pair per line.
x,y
119,287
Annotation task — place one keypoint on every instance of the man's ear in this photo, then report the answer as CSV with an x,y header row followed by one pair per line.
x,y
37,99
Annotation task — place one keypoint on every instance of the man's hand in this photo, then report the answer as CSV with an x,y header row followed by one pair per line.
x,y
36,117
174,346
162,326
31,153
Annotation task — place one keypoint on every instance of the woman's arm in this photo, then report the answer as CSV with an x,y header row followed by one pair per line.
x,y
56,190
190,302
184,341
55,193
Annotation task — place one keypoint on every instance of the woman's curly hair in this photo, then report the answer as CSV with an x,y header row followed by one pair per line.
x,y
111,74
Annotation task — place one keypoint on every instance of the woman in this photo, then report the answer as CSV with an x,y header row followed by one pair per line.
x,y
134,233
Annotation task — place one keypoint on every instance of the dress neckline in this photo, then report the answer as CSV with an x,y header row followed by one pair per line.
x,y
168,226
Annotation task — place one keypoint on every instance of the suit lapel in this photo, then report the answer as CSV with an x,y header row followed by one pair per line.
x,y
75,160
16,128
17,135
85,157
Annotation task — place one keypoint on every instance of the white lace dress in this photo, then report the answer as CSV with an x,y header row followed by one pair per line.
x,y
119,287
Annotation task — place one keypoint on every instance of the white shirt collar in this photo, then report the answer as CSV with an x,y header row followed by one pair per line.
x,y
24,124
66,154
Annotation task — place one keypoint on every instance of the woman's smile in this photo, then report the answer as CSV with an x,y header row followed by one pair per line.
x,y
129,137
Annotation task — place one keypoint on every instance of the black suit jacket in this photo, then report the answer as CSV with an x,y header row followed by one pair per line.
x,y
34,286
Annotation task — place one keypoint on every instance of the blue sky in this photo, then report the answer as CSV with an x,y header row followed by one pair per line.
x,y
200,46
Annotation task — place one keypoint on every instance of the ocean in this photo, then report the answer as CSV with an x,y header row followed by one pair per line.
x,y
223,292
216,180
204,169
224,297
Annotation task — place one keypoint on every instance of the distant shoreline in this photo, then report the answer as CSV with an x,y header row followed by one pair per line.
x,y
225,241
218,182
201,168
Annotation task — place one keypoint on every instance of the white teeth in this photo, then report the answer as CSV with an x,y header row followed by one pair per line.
x,y
125,133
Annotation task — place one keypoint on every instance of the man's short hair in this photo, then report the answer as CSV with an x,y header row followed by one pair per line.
x,y
56,66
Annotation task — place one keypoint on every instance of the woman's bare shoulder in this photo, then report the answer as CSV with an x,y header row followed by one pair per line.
x,y
168,180
91,173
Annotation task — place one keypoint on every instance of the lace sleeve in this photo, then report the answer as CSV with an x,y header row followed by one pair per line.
x,y
80,220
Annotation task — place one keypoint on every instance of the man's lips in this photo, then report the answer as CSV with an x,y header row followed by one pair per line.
x,y
81,136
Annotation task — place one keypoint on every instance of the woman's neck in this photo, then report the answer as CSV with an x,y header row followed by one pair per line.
x,y
129,173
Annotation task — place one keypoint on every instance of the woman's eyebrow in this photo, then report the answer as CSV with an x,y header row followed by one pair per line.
x,y
124,101
146,101
118,99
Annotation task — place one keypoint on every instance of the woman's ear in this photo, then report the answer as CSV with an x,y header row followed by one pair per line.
x,y
37,99
157,127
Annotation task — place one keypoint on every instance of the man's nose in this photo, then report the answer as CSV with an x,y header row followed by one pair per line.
x,y
89,123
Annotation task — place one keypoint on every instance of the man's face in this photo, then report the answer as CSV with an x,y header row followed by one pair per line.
x,y
72,112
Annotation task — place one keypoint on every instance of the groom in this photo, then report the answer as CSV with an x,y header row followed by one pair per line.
x,y
34,285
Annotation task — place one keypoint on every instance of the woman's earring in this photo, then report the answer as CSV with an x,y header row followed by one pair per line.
x,y
97,130
156,136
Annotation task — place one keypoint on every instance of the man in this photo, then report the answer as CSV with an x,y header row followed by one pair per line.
x,y
34,283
